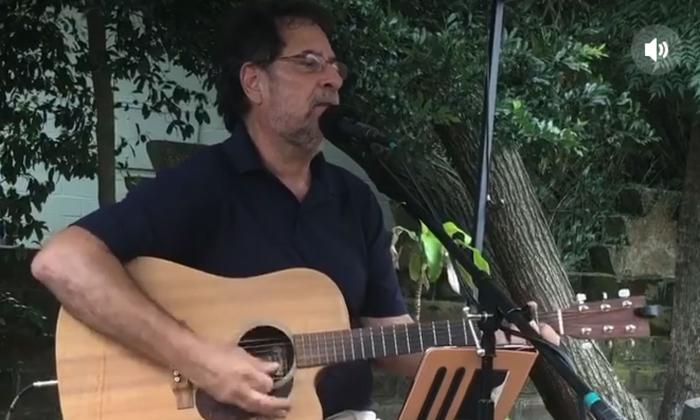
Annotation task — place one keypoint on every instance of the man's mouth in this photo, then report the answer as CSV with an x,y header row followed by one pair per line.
x,y
325,104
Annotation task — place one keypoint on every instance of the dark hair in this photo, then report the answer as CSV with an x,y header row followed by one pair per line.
x,y
251,34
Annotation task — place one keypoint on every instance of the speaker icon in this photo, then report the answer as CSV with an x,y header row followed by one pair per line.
x,y
656,50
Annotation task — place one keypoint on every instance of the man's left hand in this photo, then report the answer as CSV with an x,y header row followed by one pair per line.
x,y
543,329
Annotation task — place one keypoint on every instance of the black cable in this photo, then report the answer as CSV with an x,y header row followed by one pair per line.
x,y
582,410
33,385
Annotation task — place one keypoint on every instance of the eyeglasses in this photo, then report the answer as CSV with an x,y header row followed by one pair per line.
x,y
313,63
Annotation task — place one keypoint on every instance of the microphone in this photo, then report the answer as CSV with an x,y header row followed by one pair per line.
x,y
340,122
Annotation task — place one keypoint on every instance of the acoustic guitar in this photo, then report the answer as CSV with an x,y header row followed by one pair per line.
x,y
296,317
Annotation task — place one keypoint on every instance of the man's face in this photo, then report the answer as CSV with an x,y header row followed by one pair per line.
x,y
295,92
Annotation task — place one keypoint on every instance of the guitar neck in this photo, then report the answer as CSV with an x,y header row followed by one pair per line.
x,y
615,318
323,348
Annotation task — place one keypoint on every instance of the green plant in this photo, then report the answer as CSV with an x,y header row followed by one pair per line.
x,y
19,321
47,98
428,258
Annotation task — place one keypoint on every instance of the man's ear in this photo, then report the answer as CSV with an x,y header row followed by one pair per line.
x,y
250,77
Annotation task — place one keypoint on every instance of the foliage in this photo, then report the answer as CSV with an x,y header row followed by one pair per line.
x,y
428,259
413,68
679,16
40,88
627,126
580,138
672,105
19,321
672,102
418,64
46,105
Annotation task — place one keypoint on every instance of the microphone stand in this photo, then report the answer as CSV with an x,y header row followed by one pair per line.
x,y
488,303
493,305
503,308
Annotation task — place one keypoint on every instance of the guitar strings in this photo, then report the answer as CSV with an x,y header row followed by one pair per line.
x,y
439,325
320,353
345,340
327,341
309,356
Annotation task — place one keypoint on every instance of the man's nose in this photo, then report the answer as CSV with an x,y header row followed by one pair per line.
x,y
331,78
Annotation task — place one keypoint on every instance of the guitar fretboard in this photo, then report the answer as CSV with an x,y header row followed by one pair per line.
x,y
323,348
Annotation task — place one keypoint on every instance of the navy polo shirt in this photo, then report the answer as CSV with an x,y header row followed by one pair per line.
x,y
222,212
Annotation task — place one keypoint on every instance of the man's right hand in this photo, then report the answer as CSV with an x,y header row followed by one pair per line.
x,y
233,376
93,285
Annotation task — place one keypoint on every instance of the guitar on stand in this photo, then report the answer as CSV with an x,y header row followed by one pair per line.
x,y
295,317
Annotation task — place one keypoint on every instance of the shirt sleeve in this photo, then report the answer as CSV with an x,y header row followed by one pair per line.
x,y
383,295
161,217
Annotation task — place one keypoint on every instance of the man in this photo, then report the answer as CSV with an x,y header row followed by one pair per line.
x,y
261,201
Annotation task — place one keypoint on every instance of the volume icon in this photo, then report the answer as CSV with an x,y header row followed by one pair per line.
x,y
656,50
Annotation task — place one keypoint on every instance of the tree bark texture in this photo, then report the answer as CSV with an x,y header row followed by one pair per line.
x,y
525,251
104,106
684,366
431,180
524,258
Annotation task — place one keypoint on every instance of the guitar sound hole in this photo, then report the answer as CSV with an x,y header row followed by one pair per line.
x,y
266,343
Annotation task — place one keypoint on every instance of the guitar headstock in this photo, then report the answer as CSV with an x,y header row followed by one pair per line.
x,y
625,317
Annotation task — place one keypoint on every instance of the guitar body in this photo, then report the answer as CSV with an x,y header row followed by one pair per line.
x,y
295,317
100,379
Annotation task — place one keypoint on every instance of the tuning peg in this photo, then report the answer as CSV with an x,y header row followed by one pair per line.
x,y
625,295
610,343
604,306
581,302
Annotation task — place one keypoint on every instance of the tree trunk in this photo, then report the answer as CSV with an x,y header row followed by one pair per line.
x,y
104,105
685,333
432,181
525,251
520,248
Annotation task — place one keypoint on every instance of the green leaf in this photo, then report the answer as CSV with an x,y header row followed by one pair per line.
x,y
145,111
452,279
480,261
415,266
400,230
452,229
467,278
433,251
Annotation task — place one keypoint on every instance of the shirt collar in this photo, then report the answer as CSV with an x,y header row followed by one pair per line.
x,y
246,158
242,151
